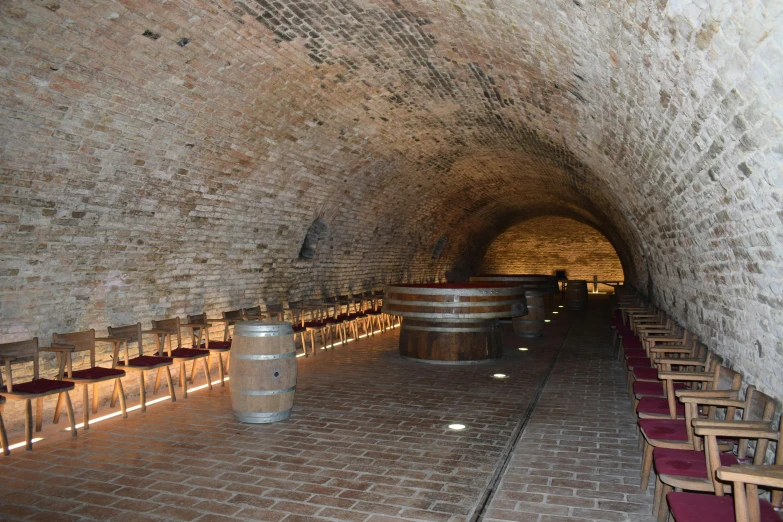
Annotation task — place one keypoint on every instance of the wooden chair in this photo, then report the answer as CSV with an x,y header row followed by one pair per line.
x,y
141,363
199,328
64,345
37,388
296,314
677,433
745,505
164,329
687,469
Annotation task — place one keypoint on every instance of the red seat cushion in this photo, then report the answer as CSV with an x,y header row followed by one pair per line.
x,y
664,429
40,386
631,353
703,507
658,406
686,463
146,361
314,324
189,353
654,389
298,328
95,373
216,345
632,342
636,362
645,374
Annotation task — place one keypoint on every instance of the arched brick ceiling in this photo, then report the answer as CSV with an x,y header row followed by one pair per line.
x,y
183,168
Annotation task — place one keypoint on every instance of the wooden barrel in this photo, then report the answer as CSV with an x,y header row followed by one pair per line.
x,y
263,371
536,282
450,342
532,324
576,294
453,322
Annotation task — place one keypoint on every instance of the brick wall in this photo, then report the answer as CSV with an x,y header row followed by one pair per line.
x,y
161,158
543,245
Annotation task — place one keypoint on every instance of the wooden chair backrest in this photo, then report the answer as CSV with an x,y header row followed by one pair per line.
x,y
253,310
81,341
198,318
131,333
758,407
233,314
727,379
274,307
23,351
172,326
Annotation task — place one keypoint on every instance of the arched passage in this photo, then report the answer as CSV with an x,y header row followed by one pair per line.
x,y
546,244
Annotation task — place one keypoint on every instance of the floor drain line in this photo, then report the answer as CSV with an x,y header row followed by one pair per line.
x,y
516,435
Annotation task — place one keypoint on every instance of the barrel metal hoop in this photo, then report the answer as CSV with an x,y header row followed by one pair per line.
x,y
446,329
461,292
259,418
456,363
449,304
265,392
477,317
253,357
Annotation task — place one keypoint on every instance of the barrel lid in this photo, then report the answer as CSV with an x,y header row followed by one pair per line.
x,y
262,328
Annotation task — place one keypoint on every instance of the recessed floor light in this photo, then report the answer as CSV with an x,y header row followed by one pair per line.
x,y
457,427
499,375
547,320
523,349
560,306
555,312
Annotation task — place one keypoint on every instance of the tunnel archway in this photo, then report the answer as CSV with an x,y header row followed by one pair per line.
x,y
547,244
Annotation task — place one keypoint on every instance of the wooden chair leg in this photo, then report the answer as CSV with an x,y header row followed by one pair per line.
x,y
86,405
3,434
69,409
657,497
663,508
143,390
206,370
157,380
57,409
220,370
38,414
95,396
228,361
113,400
28,424
647,458
123,407
182,379
170,383
193,369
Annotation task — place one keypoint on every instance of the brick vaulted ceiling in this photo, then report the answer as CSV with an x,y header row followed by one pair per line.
x,y
162,156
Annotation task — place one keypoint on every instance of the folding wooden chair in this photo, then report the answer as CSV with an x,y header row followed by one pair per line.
x,y
199,328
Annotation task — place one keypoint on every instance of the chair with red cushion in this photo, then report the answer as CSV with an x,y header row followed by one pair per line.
x,y
687,469
745,505
85,342
199,329
140,363
164,330
678,433
21,352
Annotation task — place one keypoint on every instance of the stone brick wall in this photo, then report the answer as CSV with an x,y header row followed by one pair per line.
x,y
543,245
159,158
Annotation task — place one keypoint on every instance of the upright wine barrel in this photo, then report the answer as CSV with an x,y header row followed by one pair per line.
x,y
536,282
453,322
576,294
263,371
532,324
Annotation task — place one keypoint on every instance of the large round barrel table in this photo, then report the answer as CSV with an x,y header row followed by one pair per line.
x,y
533,282
453,322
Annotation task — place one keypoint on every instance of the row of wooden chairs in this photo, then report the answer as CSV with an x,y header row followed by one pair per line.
x,y
127,347
703,438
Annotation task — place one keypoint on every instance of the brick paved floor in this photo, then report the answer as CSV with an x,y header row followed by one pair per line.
x,y
368,440
577,459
